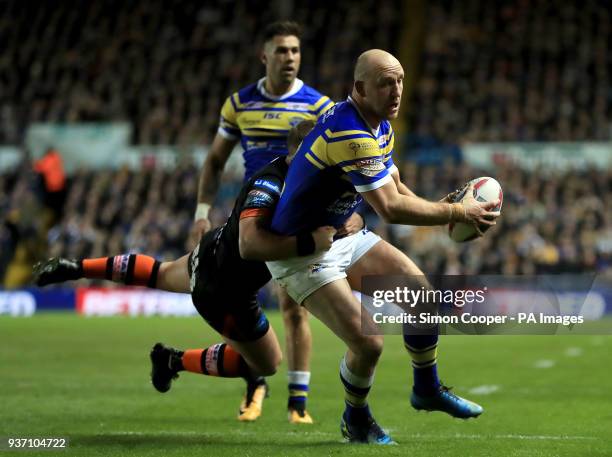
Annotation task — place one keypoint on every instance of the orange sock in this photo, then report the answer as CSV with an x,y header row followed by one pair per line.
x,y
136,269
95,268
217,360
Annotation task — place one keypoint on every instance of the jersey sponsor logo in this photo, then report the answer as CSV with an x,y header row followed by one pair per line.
x,y
356,147
370,167
120,266
328,113
294,106
298,106
268,184
256,145
344,205
244,122
258,199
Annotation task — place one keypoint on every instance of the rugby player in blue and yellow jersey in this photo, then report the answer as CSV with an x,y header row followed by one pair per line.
x,y
259,116
346,157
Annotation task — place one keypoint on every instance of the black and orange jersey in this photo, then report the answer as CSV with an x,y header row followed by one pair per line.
x,y
258,197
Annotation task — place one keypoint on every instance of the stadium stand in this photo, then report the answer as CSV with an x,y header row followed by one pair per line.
x,y
165,66
515,70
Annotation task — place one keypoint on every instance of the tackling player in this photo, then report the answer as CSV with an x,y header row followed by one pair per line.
x,y
250,349
260,116
347,157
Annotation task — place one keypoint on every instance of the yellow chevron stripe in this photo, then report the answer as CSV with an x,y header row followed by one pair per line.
x,y
331,134
320,102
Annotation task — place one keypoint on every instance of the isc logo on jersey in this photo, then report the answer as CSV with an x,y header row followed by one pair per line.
x,y
272,116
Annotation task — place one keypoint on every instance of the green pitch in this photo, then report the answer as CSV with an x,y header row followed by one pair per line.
x,y
87,379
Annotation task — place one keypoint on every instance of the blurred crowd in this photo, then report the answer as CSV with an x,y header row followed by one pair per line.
x,y
551,223
515,70
165,65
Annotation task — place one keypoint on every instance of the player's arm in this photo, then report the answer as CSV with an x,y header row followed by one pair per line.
x,y
210,176
224,142
396,208
401,187
375,177
257,242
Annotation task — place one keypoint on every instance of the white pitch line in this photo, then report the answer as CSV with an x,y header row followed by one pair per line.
x,y
573,352
505,437
486,389
196,433
415,436
544,363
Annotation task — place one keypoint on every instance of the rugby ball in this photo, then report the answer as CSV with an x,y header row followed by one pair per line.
x,y
485,190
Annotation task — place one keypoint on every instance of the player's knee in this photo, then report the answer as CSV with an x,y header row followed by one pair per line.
x,y
162,273
269,366
294,316
371,347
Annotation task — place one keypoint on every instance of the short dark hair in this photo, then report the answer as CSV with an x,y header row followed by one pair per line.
x,y
298,133
282,28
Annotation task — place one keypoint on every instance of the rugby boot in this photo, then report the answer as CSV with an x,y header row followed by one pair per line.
x,y
368,432
299,416
56,269
163,366
446,401
252,403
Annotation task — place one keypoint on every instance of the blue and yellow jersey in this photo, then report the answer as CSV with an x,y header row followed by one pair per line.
x,y
339,158
262,121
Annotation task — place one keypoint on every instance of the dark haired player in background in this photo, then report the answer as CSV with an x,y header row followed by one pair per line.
x,y
260,116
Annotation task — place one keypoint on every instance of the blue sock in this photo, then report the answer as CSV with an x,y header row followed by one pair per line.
x,y
356,415
423,351
356,389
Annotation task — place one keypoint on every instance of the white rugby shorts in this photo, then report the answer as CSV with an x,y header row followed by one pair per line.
x,y
301,276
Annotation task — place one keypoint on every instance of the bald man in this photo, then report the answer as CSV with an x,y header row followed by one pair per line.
x,y
348,157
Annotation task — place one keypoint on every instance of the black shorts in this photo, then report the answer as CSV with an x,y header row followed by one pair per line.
x,y
233,313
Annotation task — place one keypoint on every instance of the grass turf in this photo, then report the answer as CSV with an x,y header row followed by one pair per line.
x,y
87,379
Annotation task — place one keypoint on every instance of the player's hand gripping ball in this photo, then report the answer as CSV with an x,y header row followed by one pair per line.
x,y
485,190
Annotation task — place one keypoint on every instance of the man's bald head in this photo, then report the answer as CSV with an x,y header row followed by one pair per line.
x,y
372,60
378,85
